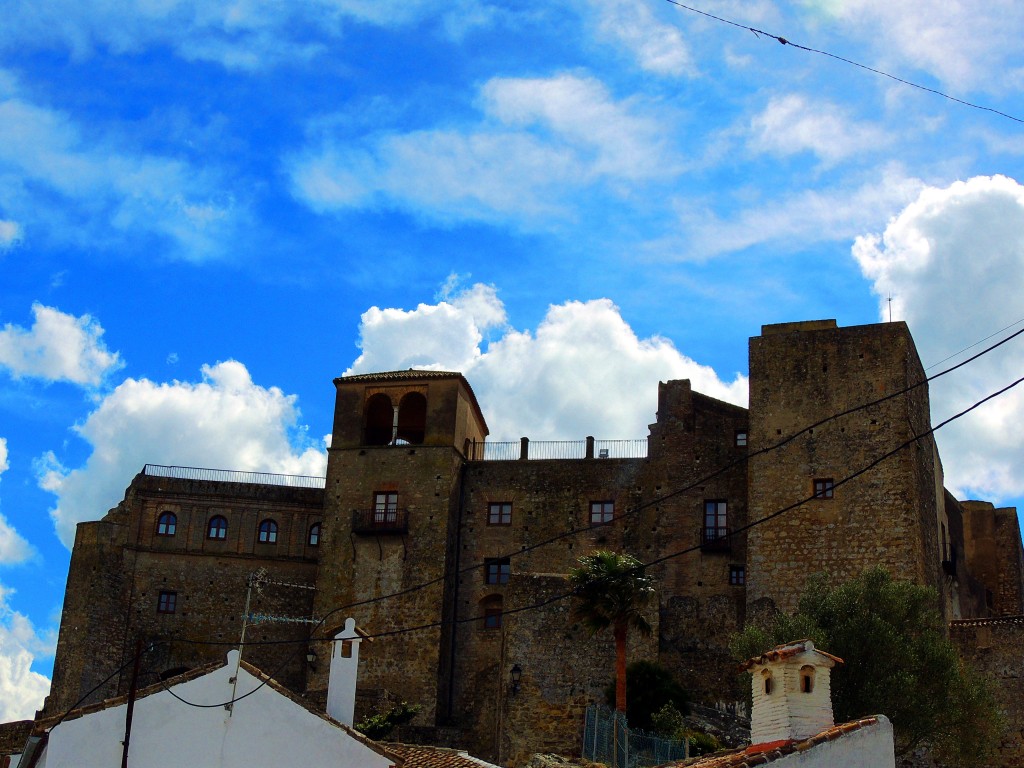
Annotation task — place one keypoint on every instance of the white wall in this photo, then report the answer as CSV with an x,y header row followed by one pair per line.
x,y
869,747
265,729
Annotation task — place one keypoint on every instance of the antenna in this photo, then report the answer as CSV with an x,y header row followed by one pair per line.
x,y
890,306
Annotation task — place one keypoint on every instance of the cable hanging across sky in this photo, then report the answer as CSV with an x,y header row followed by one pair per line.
x,y
784,41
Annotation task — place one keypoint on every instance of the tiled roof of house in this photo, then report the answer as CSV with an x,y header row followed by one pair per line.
x,y
763,754
788,650
417,756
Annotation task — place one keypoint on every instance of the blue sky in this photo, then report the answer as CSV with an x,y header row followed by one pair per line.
x,y
209,210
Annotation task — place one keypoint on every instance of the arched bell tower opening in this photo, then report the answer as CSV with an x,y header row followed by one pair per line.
x,y
412,418
379,420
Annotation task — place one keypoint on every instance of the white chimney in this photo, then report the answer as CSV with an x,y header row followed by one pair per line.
x,y
341,684
792,697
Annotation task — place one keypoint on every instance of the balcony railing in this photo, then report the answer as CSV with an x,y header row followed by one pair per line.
x,y
521,450
377,520
715,539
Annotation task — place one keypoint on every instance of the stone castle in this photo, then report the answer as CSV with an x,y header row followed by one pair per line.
x,y
452,551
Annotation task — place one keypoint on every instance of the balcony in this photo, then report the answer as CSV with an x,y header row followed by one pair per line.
x,y
380,521
715,539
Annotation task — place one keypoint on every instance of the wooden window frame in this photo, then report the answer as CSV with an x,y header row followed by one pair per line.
x,y
497,570
499,513
602,512
824,488
167,602
267,531
167,524
220,532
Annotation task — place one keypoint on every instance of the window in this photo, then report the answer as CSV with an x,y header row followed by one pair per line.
x,y
807,678
497,570
823,488
499,513
167,524
767,675
268,532
601,512
491,608
737,575
314,535
218,528
741,437
385,508
492,618
379,420
716,519
167,602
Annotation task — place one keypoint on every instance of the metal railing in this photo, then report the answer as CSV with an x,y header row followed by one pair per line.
x,y
233,476
715,539
380,520
608,739
524,449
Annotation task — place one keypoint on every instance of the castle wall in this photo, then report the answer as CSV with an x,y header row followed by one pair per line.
x,y
123,573
993,548
801,373
992,647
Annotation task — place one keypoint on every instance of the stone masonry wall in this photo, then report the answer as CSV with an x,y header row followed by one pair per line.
x,y
993,648
800,374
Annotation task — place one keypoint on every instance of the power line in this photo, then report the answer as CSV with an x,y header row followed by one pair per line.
x,y
779,38
972,346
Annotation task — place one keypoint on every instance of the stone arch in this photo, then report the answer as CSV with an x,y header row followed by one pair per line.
x,y
412,418
378,417
491,608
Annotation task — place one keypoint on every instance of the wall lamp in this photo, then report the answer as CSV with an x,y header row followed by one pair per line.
x,y
515,675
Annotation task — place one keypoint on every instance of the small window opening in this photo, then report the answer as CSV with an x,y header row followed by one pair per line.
x,y
737,575
492,607
824,488
167,524
499,513
497,570
314,535
268,532
601,512
741,437
346,649
218,528
767,682
807,678
167,602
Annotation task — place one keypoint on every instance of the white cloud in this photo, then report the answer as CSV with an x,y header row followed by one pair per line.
x,y
223,422
10,234
541,142
802,219
583,372
791,124
964,44
251,34
953,261
21,690
658,47
109,191
58,347
13,548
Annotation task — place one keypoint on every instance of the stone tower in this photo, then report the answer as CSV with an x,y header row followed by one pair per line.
x,y
891,514
391,507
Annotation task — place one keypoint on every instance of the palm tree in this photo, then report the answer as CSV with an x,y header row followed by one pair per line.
x,y
610,591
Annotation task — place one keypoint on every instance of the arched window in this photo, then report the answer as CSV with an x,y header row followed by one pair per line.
x,y
268,532
167,524
767,675
218,528
807,678
412,418
314,535
491,608
380,419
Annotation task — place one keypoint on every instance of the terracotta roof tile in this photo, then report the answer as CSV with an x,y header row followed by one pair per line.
x,y
762,754
785,651
417,756
995,620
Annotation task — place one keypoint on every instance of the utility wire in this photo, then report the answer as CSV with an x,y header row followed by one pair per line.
x,y
759,32
634,509
972,346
